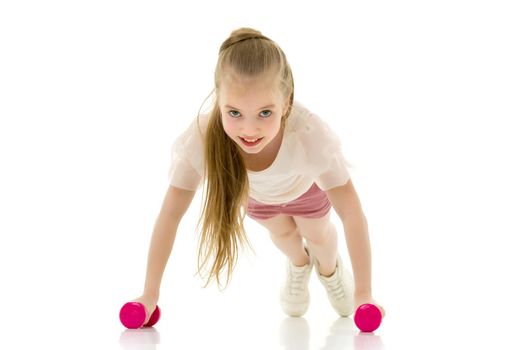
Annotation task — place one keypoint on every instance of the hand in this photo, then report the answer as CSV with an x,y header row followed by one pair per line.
x,y
365,298
149,302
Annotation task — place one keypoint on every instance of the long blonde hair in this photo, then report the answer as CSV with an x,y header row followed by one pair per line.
x,y
250,54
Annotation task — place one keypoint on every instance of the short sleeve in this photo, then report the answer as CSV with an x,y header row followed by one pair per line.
x,y
327,163
336,173
186,159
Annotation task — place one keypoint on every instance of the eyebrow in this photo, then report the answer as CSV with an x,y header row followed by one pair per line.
x,y
268,106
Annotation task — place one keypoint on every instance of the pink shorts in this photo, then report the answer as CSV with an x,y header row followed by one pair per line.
x,y
313,203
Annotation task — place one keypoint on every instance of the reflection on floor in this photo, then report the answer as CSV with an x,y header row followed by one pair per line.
x,y
294,334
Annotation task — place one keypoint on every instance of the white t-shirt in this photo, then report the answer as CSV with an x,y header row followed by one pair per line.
x,y
310,152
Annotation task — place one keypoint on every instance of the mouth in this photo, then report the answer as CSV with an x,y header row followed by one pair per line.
x,y
250,144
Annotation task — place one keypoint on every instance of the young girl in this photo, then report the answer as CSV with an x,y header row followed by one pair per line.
x,y
264,155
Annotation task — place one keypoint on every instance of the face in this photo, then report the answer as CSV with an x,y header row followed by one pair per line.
x,y
251,110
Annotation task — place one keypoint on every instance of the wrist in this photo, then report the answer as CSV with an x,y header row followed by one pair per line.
x,y
363,292
151,293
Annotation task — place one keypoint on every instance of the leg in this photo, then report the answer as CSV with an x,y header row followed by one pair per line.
x,y
322,239
284,234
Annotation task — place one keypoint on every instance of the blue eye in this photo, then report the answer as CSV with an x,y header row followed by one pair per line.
x,y
230,112
266,113
270,113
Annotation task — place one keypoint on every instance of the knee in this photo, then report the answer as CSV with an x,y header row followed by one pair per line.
x,y
322,237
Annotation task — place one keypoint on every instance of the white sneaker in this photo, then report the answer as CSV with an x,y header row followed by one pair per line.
x,y
295,297
339,288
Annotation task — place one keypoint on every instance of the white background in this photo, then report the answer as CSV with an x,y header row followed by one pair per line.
x,y
427,97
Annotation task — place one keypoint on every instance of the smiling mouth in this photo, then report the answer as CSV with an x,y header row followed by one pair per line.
x,y
250,143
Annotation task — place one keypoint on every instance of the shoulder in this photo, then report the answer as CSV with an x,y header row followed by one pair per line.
x,y
313,136
190,141
195,129
309,127
201,122
298,118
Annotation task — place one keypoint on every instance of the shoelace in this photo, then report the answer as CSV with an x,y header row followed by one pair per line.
x,y
296,281
336,288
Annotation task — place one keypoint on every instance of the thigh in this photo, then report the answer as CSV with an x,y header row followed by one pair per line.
x,y
279,225
313,229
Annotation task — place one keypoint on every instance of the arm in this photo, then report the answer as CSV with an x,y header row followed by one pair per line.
x,y
346,203
175,204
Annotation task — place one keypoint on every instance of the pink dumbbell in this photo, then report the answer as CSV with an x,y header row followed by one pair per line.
x,y
367,317
133,315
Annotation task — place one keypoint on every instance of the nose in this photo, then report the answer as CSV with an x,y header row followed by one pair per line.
x,y
250,128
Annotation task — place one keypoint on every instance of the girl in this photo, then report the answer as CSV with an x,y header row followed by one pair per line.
x,y
264,155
